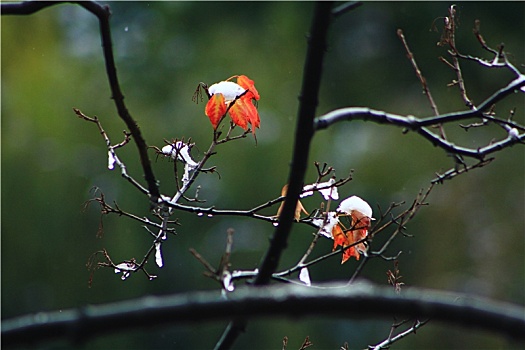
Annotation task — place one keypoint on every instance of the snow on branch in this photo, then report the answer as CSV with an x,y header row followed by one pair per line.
x,y
483,112
516,134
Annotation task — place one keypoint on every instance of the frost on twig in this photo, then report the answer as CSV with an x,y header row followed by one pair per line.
x,y
178,150
101,258
327,189
126,268
113,158
304,276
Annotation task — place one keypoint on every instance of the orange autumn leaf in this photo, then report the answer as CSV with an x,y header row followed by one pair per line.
x,y
338,236
237,99
238,113
243,112
215,109
248,84
341,239
298,209
249,112
347,237
253,116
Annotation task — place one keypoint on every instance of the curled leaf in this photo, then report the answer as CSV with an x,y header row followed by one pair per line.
x,y
249,85
298,209
359,223
358,215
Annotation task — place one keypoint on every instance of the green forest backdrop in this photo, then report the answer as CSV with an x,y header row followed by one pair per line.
x,y
470,238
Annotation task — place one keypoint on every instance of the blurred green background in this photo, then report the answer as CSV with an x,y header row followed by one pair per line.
x,y
470,239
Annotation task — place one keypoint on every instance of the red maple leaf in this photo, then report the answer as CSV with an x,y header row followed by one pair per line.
x,y
346,237
237,98
238,113
216,109
248,84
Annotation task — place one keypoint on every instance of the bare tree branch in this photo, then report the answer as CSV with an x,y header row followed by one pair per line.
x,y
418,125
304,132
449,38
111,149
390,340
412,122
351,300
345,7
358,301
419,74
102,12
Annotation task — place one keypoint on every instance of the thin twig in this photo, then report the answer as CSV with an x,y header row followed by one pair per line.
x,y
419,74
449,38
391,340
102,12
422,80
113,158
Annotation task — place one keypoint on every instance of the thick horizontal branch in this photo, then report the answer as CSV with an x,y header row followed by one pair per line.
x,y
357,301
418,125
412,122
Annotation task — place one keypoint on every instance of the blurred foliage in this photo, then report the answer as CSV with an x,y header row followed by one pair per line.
x,y
469,239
